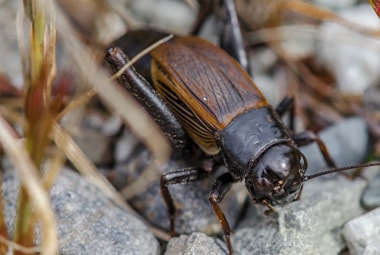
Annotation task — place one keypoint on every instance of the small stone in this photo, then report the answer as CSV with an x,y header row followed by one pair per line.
x,y
95,136
347,142
354,66
9,50
88,222
170,15
95,145
371,196
371,98
194,244
373,247
336,4
363,233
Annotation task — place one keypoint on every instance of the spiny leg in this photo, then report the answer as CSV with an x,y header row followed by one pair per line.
x,y
309,137
231,39
148,97
219,189
287,105
206,8
306,137
182,176
230,36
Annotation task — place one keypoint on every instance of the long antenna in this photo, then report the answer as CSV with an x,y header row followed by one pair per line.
x,y
338,169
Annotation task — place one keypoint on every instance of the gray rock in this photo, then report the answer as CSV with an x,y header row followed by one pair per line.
x,y
373,247
371,98
335,5
96,145
88,222
371,196
194,244
9,44
363,233
170,15
341,50
346,141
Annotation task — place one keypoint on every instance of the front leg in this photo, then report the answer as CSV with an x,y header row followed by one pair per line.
x,y
221,186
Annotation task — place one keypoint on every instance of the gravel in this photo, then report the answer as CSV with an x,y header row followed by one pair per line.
x,y
194,244
371,196
88,222
363,234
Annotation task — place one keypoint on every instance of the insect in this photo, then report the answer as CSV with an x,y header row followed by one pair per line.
x,y
208,105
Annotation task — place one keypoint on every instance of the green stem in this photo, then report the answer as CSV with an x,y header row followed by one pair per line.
x,y
24,233
36,113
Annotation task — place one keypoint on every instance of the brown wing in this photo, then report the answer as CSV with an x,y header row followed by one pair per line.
x,y
205,87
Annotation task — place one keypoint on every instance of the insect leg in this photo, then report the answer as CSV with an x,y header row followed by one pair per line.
x,y
304,138
149,99
180,176
309,137
287,105
219,189
205,10
231,39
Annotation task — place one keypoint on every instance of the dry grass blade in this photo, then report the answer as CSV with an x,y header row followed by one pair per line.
x,y
84,165
140,55
28,174
325,14
149,175
53,169
88,170
77,102
376,6
39,70
269,35
16,247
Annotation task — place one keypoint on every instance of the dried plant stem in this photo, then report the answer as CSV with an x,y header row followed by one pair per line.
x,y
39,72
29,177
84,165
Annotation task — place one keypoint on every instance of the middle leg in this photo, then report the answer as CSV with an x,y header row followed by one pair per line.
x,y
181,176
306,137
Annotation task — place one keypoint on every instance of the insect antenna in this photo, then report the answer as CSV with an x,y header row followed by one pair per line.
x,y
338,169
